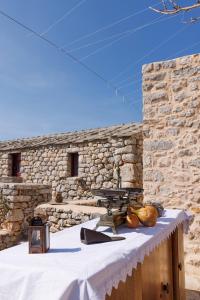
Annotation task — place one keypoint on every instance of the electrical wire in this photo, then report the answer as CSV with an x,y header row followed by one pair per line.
x,y
75,59
125,80
107,26
149,53
54,45
128,84
169,57
176,53
183,50
129,32
134,90
114,35
67,14
128,79
95,43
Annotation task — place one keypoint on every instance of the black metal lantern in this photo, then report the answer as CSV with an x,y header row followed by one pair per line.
x,y
38,236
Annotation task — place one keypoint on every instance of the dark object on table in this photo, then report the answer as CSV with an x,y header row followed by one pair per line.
x,y
119,199
89,236
38,236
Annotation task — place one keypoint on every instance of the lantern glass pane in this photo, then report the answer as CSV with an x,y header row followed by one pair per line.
x,y
47,236
35,238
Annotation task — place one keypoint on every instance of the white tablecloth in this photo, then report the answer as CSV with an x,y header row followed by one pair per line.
x,y
72,270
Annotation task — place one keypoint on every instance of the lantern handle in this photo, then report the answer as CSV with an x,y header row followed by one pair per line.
x,y
36,221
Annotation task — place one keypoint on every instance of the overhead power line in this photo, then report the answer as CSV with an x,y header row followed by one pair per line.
x,y
134,29
130,83
95,43
123,33
129,32
108,26
138,89
129,78
148,53
66,14
169,57
183,50
62,50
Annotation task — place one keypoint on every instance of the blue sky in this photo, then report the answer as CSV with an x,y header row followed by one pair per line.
x,y
42,91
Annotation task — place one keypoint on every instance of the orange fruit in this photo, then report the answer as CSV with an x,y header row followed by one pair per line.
x,y
152,209
147,215
132,221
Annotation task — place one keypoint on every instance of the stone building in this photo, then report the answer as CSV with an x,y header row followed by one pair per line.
x,y
171,94
73,163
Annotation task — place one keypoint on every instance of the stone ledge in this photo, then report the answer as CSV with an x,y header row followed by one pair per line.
x,y
77,206
61,216
11,179
25,186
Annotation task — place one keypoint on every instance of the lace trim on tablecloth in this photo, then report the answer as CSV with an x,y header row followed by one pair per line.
x,y
139,258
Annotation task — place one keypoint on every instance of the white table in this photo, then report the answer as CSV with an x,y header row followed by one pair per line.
x,y
72,270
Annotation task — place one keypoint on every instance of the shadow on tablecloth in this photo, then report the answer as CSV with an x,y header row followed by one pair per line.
x,y
64,250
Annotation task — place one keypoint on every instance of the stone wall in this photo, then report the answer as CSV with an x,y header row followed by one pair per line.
x,y
21,200
62,216
97,166
7,239
171,91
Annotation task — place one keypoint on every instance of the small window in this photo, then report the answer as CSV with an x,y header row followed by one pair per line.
x,y
73,164
15,164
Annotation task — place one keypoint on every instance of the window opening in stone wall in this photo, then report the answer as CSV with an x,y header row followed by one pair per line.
x,y
73,164
15,164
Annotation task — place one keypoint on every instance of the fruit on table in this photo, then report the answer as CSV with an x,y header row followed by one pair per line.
x,y
132,221
152,209
157,205
147,215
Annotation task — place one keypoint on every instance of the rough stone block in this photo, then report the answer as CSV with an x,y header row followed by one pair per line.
x,y
126,184
124,150
155,97
155,77
128,172
158,145
15,215
195,163
129,158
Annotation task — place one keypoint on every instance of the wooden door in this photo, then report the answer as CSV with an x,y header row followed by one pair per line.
x,y
178,264
157,277
129,290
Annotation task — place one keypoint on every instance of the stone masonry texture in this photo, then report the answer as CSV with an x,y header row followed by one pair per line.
x,y
21,199
46,160
62,216
171,93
